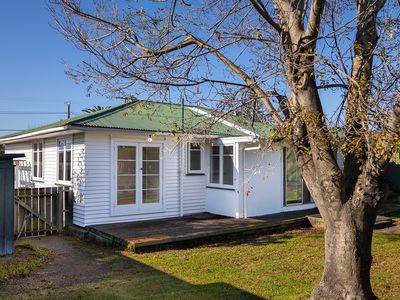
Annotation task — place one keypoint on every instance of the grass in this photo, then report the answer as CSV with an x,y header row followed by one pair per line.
x,y
281,266
26,258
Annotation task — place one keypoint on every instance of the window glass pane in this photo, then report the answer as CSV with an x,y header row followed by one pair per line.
x,y
61,144
35,147
126,167
40,164
151,167
126,152
228,170
151,182
40,146
228,150
294,184
126,197
68,165
195,160
127,182
214,169
35,167
61,165
68,144
151,153
151,196
215,150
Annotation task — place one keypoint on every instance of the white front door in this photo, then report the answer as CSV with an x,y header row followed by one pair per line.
x,y
137,178
263,182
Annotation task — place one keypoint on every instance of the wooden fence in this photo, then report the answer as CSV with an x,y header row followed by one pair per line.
x,y
42,210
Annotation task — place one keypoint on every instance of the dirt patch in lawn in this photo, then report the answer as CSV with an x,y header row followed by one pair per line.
x,y
71,263
26,257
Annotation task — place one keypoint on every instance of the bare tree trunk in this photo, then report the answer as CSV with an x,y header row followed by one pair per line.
x,y
348,259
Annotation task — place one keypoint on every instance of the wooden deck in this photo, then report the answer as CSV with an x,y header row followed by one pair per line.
x,y
136,235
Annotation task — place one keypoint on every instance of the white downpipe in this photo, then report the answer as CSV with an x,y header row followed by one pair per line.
x,y
181,179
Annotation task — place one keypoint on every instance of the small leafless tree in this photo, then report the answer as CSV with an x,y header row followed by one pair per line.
x,y
286,55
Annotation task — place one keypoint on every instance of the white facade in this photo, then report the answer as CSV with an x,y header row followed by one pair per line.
x,y
257,185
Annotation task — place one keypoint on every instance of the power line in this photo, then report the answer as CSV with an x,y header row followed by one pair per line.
x,y
11,112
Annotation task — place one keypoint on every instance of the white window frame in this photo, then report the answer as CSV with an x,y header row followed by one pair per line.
x,y
64,182
303,186
221,166
41,167
188,156
138,207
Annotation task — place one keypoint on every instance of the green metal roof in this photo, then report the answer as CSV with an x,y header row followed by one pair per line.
x,y
151,116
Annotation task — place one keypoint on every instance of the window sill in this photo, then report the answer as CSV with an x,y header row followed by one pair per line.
x,y
195,174
221,188
37,179
119,212
68,184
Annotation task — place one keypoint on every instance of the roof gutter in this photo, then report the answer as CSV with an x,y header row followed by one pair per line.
x,y
159,133
33,134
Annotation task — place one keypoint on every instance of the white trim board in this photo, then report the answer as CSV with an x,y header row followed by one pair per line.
x,y
223,121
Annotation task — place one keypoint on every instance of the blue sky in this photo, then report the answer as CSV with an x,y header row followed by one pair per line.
x,y
32,77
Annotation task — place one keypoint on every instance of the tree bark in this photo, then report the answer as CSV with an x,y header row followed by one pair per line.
x,y
348,259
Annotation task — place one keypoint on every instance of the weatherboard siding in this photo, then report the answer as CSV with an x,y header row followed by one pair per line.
x,y
194,189
24,168
79,178
98,184
92,177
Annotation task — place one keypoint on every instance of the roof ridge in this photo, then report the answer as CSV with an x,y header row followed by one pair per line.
x,y
98,114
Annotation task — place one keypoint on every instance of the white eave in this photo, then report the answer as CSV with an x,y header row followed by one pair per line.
x,y
239,139
45,133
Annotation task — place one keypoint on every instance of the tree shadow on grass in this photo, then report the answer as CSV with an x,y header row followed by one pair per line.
x,y
132,279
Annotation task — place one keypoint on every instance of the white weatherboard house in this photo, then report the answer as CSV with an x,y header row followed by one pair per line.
x,y
131,163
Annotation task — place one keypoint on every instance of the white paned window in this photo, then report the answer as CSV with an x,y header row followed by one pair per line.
x,y
64,159
221,165
37,160
295,189
194,161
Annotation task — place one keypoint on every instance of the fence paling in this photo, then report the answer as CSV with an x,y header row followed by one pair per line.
x,y
41,210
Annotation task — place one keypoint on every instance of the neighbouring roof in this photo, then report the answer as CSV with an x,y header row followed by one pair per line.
x,y
153,117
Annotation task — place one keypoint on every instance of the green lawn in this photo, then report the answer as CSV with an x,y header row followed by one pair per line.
x,y
282,266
